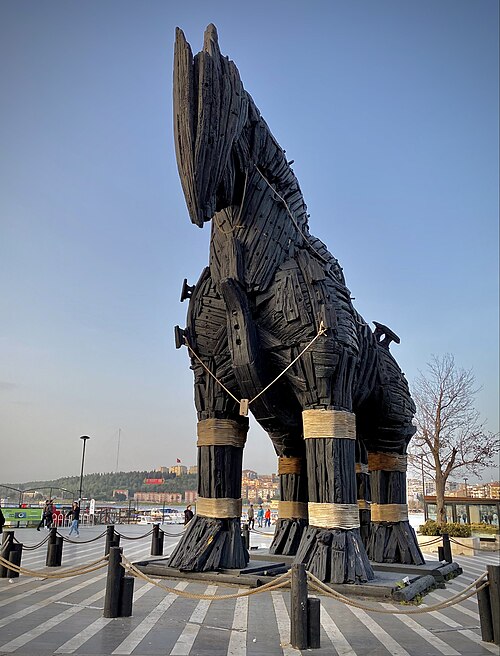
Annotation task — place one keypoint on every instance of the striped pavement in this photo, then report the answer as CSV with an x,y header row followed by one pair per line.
x,y
64,616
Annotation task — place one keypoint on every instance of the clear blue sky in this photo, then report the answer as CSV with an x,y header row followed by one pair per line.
x,y
390,111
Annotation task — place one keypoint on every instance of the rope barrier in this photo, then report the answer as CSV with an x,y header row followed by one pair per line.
x,y
438,539
278,582
27,547
66,573
139,537
467,546
67,539
173,535
455,599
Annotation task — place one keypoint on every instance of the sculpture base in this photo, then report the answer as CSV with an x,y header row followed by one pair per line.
x,y
287,536
334,555
394,542
209,544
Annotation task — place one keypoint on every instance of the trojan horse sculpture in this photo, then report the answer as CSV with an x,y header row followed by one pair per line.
x,y
271,327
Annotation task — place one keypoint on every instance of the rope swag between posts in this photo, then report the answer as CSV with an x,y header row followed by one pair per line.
x,y
279,582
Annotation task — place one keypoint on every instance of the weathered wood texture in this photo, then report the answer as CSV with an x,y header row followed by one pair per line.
x,y
288,531
261,301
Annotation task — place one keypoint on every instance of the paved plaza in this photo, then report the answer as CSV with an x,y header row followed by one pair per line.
x,y
65,615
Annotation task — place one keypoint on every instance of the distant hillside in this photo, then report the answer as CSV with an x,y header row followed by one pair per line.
x,y
101,486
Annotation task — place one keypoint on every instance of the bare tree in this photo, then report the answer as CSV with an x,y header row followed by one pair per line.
x,y
450,434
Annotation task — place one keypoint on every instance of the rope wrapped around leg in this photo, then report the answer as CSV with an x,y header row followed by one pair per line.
x,y
292,510
218,508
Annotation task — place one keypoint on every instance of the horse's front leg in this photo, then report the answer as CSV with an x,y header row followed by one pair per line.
x,y
212,539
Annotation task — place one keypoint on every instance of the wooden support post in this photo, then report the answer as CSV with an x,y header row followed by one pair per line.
x,y
126,597
494,590
313,623
51,560
298,600
110,537
112,598
7,543
447,548
15,556
155,541
484,608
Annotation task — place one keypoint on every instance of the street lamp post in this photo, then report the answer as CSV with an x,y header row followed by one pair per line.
x,y
84,438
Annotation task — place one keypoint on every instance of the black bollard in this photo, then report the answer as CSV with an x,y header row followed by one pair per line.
x,y
51,560
447,548
156,548
441,554
15,556
59,549
484,608
245,534
127,595
7,543
112,598
313,623
161,539
494,590
110,537
298,614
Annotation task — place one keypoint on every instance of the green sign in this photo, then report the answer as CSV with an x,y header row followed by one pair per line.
x,y
22,514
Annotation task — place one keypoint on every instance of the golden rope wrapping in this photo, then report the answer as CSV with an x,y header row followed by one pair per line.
x,y
289,465
361,468
387,462
289,509
219,508
221,432
333,515
329,424
389,512
363,504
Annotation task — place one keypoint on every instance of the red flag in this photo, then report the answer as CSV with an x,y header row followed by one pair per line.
x,y
178,460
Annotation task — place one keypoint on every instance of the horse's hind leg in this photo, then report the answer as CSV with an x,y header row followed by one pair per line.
x,y
292,507
364,489
392,539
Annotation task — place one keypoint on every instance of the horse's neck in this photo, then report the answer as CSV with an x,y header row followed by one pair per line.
x,y
250,242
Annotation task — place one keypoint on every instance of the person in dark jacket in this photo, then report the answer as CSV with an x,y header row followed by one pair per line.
x,y
188,515
44,515
74,513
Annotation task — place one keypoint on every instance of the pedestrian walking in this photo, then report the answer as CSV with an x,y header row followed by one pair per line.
x,y
49,514
251,517
188,515
267,517
44,515
2,520
74,513
260,516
